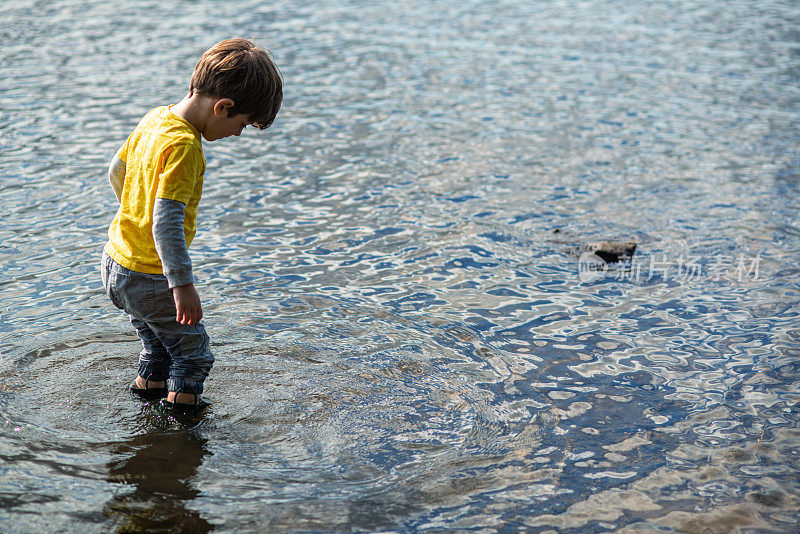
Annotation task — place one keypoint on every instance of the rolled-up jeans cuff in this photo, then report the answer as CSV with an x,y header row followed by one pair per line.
x,y
181,385
154,373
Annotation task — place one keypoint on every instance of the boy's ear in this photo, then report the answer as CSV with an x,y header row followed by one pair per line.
x,y
223,104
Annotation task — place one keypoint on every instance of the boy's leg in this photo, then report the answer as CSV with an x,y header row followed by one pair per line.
x,y
187,345
154,360
131,292
191,357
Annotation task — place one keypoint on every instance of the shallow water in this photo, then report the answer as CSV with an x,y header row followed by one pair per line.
x,y
390,274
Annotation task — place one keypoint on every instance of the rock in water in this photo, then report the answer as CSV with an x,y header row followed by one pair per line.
x,y
612,251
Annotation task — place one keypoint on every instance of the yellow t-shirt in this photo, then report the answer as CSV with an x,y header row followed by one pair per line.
x,y
163,159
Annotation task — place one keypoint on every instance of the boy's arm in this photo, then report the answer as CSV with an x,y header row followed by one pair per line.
x,y
116,175
171,247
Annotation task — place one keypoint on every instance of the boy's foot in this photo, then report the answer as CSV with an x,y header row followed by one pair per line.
x,y
183,398
148,389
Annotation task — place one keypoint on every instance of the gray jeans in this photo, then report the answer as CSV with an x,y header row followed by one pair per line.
x,y
171,351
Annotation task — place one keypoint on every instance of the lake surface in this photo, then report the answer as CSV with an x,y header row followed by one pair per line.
x,y
390,274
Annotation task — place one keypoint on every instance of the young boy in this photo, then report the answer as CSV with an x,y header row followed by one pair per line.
x,y
157,177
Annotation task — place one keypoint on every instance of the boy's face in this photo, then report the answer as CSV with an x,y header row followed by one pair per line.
x,y
220,125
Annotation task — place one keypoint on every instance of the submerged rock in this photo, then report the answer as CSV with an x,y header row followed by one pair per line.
x,y
613,251
608,251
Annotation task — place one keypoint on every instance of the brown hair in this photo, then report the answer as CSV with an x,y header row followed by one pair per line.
x,y
239,70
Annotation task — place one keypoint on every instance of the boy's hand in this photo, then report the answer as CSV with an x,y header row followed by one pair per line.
x,y
187,304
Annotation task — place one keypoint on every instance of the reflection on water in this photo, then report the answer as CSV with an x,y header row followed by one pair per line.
x,y
156,473
390,273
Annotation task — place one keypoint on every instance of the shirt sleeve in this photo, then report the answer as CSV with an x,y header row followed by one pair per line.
x,y
170,242
182,167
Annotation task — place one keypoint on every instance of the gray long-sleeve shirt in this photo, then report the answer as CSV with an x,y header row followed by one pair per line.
x,y
168,233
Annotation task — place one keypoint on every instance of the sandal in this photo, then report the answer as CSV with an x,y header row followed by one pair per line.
x,y
198,404
146,392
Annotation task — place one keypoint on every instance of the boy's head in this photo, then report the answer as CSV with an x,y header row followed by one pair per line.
x,y
239,70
